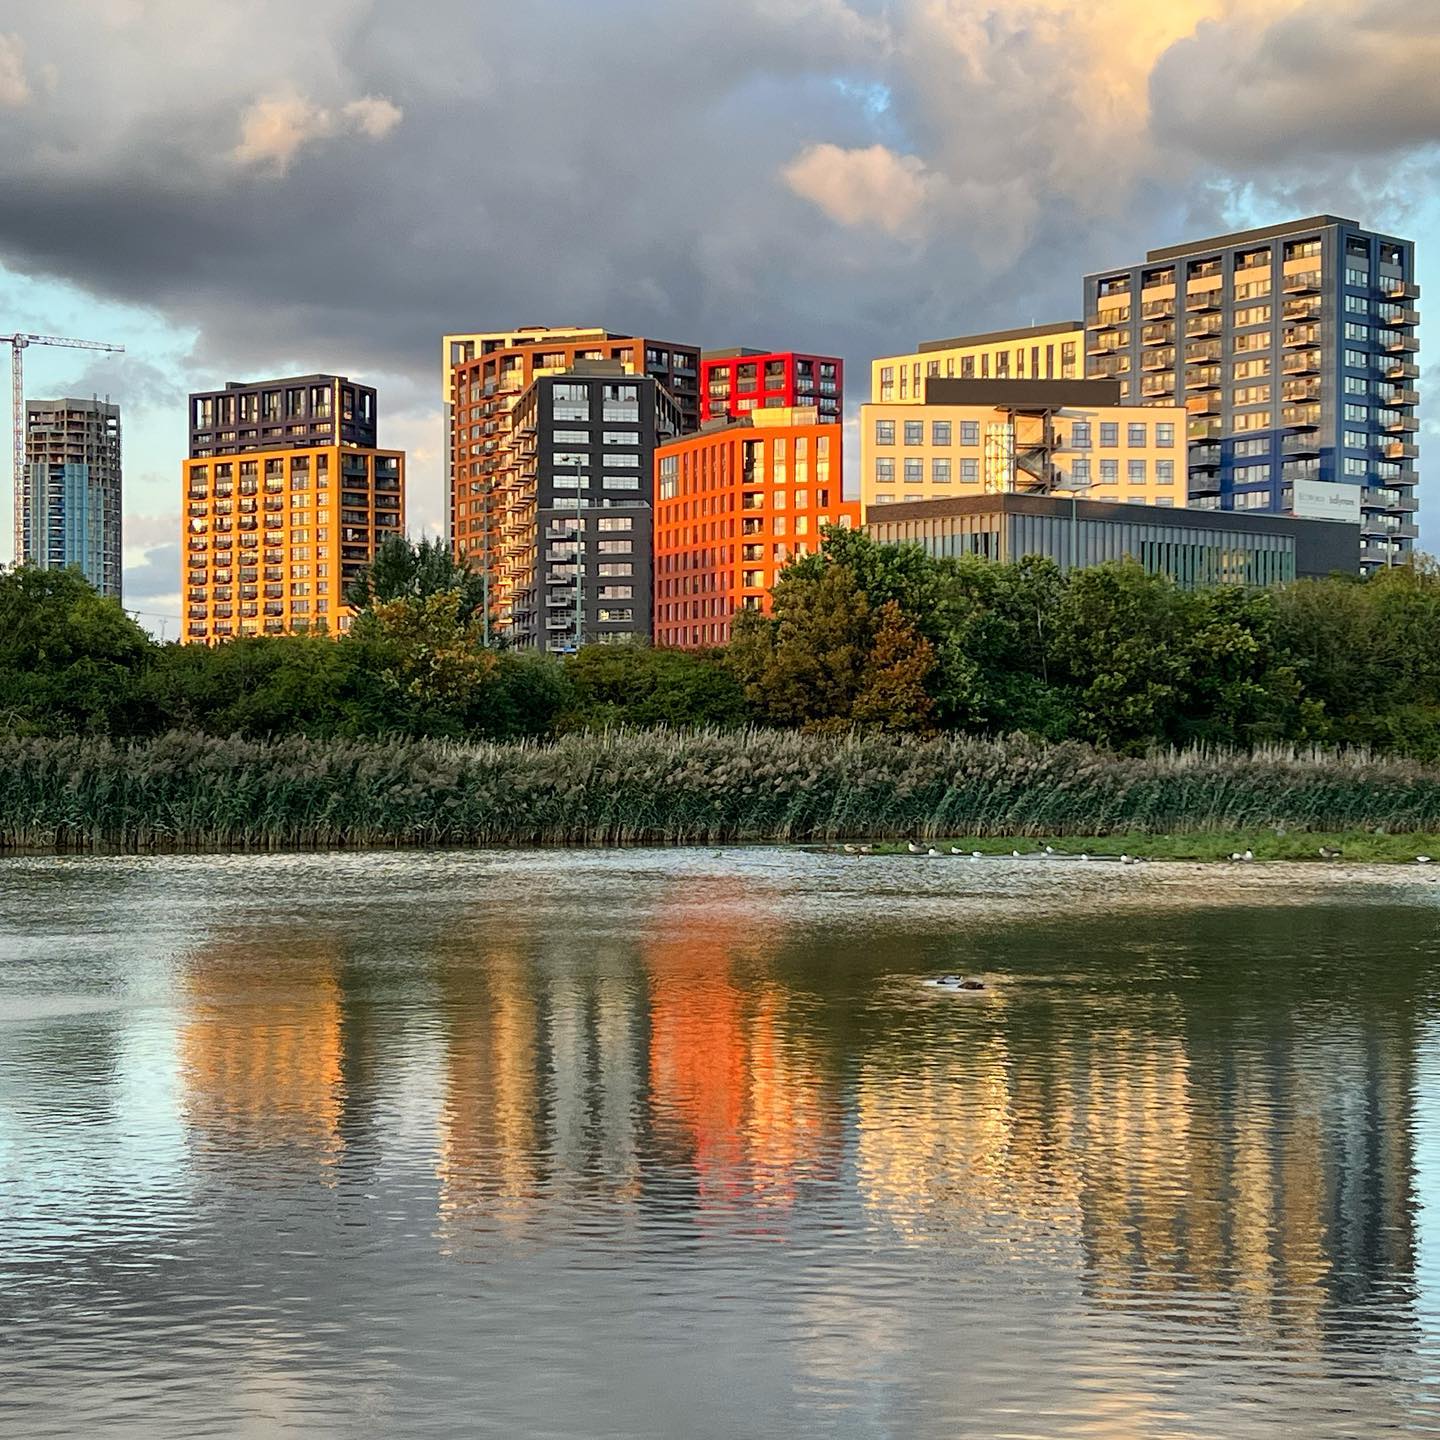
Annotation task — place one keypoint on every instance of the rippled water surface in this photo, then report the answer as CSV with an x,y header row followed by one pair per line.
x,y
679,1144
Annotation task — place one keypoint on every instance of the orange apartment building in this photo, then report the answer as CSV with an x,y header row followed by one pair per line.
x,y
285,500
272,537
492,503
734,504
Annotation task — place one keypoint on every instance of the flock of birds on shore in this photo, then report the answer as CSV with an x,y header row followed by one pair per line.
x,y
1241,857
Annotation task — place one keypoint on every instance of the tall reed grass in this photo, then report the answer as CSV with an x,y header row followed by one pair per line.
x,y
193,792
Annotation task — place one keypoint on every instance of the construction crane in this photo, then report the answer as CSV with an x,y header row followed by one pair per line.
x,y
18,344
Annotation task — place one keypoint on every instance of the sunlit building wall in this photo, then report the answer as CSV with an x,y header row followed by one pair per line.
x,y
1036,352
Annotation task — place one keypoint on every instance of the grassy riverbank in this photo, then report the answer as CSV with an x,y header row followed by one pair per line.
x,y
695,787
1357,847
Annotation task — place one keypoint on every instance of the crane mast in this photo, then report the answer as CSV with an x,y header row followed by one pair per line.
x,y
18,344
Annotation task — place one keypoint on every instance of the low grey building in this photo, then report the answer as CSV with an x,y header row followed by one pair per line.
x,y
1194,547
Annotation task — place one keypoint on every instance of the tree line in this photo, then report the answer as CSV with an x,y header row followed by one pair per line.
x,y
861,636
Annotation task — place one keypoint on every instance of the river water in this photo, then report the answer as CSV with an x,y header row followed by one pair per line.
x,y
678,1143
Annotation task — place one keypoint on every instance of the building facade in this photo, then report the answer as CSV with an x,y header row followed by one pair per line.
x,y
1292,349
733,506
1036,352
293,413
273,537
735,382
577,563
70,502
969,437
491,493
1195,548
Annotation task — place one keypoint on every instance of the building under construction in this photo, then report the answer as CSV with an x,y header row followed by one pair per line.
x,y
70,490
994,437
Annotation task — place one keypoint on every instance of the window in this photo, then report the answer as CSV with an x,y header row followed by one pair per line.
x,y
1356,440
615,522
1080,435
1109,472
570,402
1164,435
1080,470
1259,340
884,432
1252,315
1250,369
914,471
615,617
1252,420
571,437
940,433
1136,472
621,437
1357,359
969,432
1356,331
914,432
1358,413
669,476
613,547
1136,437
940,471
1356,385
622,461
1357,305
1164,472
1251,447
1109,433
884,471
967,367
969,471
622,402
1251,395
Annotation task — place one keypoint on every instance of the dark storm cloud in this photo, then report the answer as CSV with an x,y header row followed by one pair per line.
x,y
334,185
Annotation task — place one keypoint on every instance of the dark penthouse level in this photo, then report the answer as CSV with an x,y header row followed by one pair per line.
x,y
296,411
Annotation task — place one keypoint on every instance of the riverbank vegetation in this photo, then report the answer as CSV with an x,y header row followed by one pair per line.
x,y
675,787
876,639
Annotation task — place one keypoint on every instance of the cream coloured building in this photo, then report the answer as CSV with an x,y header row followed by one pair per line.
x,y
974,437
1037,352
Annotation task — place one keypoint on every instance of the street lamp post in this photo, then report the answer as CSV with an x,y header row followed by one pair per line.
x,y
1074,487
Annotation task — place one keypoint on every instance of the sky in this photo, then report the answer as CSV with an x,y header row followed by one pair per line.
x,y
235,191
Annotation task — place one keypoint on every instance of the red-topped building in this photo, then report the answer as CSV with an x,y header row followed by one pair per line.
x,y
735,382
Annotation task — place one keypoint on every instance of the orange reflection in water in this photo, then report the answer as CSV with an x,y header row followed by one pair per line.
x,y
261,1048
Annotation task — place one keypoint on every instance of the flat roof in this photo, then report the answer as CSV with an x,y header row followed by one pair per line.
x,y
996,337
1011,502
1244,237
1023,394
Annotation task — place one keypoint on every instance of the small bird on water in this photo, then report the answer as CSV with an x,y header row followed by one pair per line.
x,y
913,848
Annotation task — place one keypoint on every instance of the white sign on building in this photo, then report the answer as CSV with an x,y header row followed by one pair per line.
x,y
1326,500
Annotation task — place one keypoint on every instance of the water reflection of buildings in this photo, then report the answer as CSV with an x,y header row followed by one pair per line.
x,y
261,1049
543,1052
1274,1171
734,1080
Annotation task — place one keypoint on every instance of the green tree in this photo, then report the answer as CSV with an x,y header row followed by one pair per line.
x,y
71,661
638,685
406,570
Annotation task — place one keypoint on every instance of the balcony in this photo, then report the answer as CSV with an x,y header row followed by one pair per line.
x,y
1157,359
1300,310
1306,444
1399,315
1203,377
1204,457
1111,319
1399,396
1400,425
1156,385
1157,309
1203,429
1201,326
1394,288
1306,471
1202,350
1204,482
1300,417
1400,450
1300,335
1157,334
1301,362
1201,300
1305,282
1397,342
1399,369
